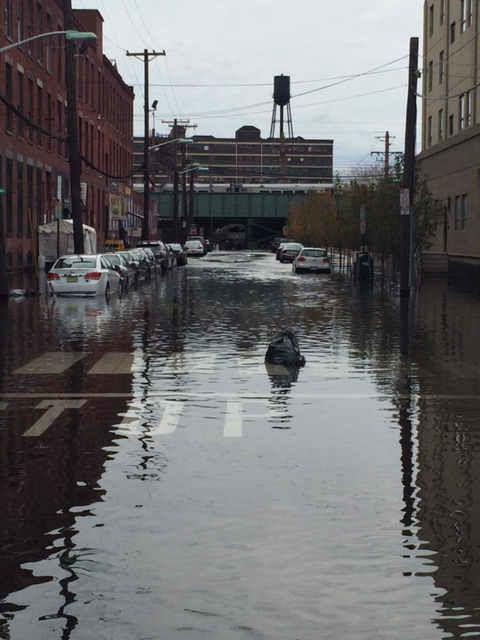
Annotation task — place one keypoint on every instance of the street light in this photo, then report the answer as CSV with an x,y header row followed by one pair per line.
x,y
70,34
161,144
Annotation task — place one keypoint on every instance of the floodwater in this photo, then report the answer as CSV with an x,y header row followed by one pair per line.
x,y
158,481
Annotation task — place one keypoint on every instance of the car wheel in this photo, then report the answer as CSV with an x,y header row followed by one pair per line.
x,y
107,292
135,281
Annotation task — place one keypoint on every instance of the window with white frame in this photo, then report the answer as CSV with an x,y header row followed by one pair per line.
x,y
442,11
440,124
461,112
463,15
468,109
469,12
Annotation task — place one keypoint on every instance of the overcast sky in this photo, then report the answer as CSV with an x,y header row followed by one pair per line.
x,y
225,42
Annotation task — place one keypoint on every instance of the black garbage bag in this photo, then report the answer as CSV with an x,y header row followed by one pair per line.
x,y
284,349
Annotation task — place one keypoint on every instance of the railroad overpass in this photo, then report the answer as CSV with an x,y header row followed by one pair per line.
x,y
264,212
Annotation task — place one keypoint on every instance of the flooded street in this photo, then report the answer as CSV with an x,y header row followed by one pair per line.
x,y
158,480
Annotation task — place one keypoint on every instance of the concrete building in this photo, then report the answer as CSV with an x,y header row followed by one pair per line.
x,y
34,167
450,156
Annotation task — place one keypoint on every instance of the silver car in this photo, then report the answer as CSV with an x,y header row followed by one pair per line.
x,y
89,274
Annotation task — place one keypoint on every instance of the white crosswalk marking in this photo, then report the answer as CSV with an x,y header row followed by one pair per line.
x,y
233,420
113,363
51,362
170,418
54,409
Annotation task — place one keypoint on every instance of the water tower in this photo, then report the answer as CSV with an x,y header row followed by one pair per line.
x,y
281,98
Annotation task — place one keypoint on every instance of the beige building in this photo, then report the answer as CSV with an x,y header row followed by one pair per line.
x,y
450,156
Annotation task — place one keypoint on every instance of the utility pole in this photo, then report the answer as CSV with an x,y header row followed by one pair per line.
x,y
178,126
407,214
387,153
146,55
72,128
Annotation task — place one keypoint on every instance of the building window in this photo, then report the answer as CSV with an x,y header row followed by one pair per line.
x,y
430,75
20,198
9,194
9,18
463,15
48,53
29,197
442,11
429,131
450,125
456,219
39,113
468,109
452,32
461,112
59,125
463,211
49,121
430,20
8,95
205,147
440,124
441,63
469,12
19,20
30,107
20,103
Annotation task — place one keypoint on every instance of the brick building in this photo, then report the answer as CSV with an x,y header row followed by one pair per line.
x,y
247,159
34,167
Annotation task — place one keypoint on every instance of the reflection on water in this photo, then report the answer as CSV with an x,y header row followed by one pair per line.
x,y
202,493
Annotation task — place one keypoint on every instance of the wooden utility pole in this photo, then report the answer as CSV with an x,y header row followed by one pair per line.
x,y
178,126
407,214
72,128
146,55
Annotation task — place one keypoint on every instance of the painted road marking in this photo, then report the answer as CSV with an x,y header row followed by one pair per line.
x,y
55,408
170,418
233,420
114,362
51,362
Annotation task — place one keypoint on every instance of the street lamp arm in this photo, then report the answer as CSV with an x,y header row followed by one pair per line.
x,y
161,144
69,34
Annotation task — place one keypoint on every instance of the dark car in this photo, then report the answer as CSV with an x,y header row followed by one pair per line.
x,y
159,249
289,251
180,254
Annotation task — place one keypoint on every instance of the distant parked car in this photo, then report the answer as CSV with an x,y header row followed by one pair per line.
x,y
118,263
194,248
311,259
84,275
159,249
180,255
289,251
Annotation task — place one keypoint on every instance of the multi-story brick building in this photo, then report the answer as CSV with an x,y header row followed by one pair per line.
x,y
450,158
247,159
34,167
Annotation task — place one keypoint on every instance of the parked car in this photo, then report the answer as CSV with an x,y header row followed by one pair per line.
x,y
90,274
136,265
146,262
180,254
289,251
311,259
194,248
159,249
118,263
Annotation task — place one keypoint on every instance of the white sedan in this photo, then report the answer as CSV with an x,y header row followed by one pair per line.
x,y
85,275
311,259
194,248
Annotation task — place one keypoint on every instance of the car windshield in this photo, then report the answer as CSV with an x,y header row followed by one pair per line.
x,y
314,253
77,262
289,247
